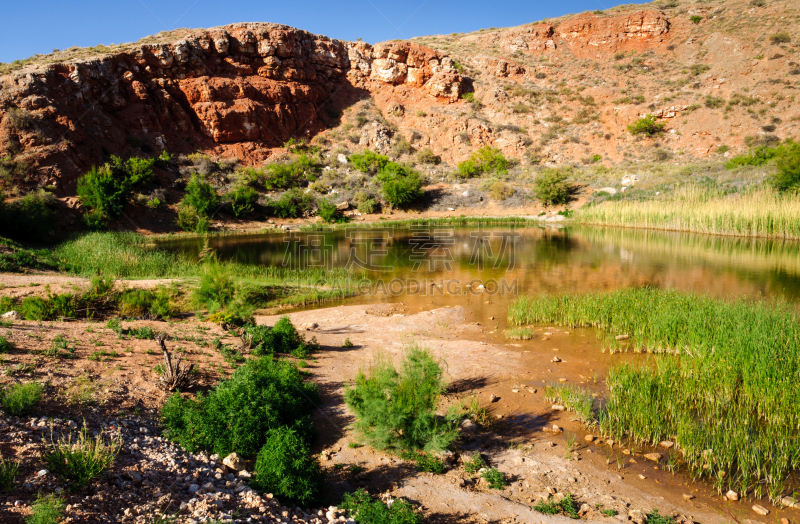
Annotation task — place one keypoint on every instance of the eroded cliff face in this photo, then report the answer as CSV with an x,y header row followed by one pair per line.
x,y
236,91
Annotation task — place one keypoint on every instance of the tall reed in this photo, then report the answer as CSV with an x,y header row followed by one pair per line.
x,y
761,213
728,393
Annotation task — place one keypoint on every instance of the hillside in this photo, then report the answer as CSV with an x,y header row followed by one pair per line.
x,y
720,76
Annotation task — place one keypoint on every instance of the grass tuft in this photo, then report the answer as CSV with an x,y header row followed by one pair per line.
x,y
82,461
19,399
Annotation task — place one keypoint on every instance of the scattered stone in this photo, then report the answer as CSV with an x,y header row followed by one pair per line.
x,y
589,438
784,520
11,315
309,326
642,477
666,444
515,391
636,515
557,407
562,380
556,359
41,473
761,510
234,462
622,337
532,390
688,496
655,457
343,206
556,430
732,495
551,490
493,398
789,502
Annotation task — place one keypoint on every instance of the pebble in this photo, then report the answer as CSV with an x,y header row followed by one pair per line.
x,y
688,496
622,337
789,502
655,457
41,473
732,495
557,407
666,444
761,510
556,359
589,438
642,477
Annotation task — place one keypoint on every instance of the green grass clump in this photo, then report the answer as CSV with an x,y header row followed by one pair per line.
x,y
8,474
395,409
475,464
146,303
20,399
571,397
518,333
565,505
142,333
105,190
237,414
495,478
425,462
82,460
729,401
367,510
6,346
286,468
48,509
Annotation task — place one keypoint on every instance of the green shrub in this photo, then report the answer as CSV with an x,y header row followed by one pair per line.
x,y
780,38
646,125
368,161
788,168
654,517
426,156
216,290
83,460
48,509
201,196
499,190
189,219
5,345
402,186
8,474
714,102
551,186
696,19
425,462
292,204
366,510
19,399
237,414
146,303
142,333
29,218
395,409
288,175
286,468
475,464
369,206
243,200
281,338
329,213
485,160
106,190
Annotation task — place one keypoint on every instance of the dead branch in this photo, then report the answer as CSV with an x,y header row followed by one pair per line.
x,y
177,376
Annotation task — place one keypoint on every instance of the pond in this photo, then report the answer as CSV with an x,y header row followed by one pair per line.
x,y
484,268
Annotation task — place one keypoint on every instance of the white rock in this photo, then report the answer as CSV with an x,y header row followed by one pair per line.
x,y
234,462
342,158
11,315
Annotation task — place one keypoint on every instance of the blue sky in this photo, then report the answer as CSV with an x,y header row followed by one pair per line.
x,y
38,26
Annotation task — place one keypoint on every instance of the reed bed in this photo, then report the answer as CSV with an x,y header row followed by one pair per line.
x,y
761,213
728,393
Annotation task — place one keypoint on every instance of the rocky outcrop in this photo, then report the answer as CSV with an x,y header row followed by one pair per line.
x,y
239,90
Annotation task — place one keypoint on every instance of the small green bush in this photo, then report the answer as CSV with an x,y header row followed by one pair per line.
x,y
780,38
286,468
142,333
106,190
29,218
485,160
426,156
714,102
292,204
146,303
287,175
237,414
5,345
425,462
281,338
48,509
200,196
368,161
329,213
696,19
216,290
367,510
369,207
787,178
551,186
20,399
475,464
566,505
646,125
8,474
402,186
243,200
395,409
654,517
83,460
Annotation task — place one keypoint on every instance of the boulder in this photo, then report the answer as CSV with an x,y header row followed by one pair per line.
x,y
655,457
732,495
343,206
11,315
761,510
